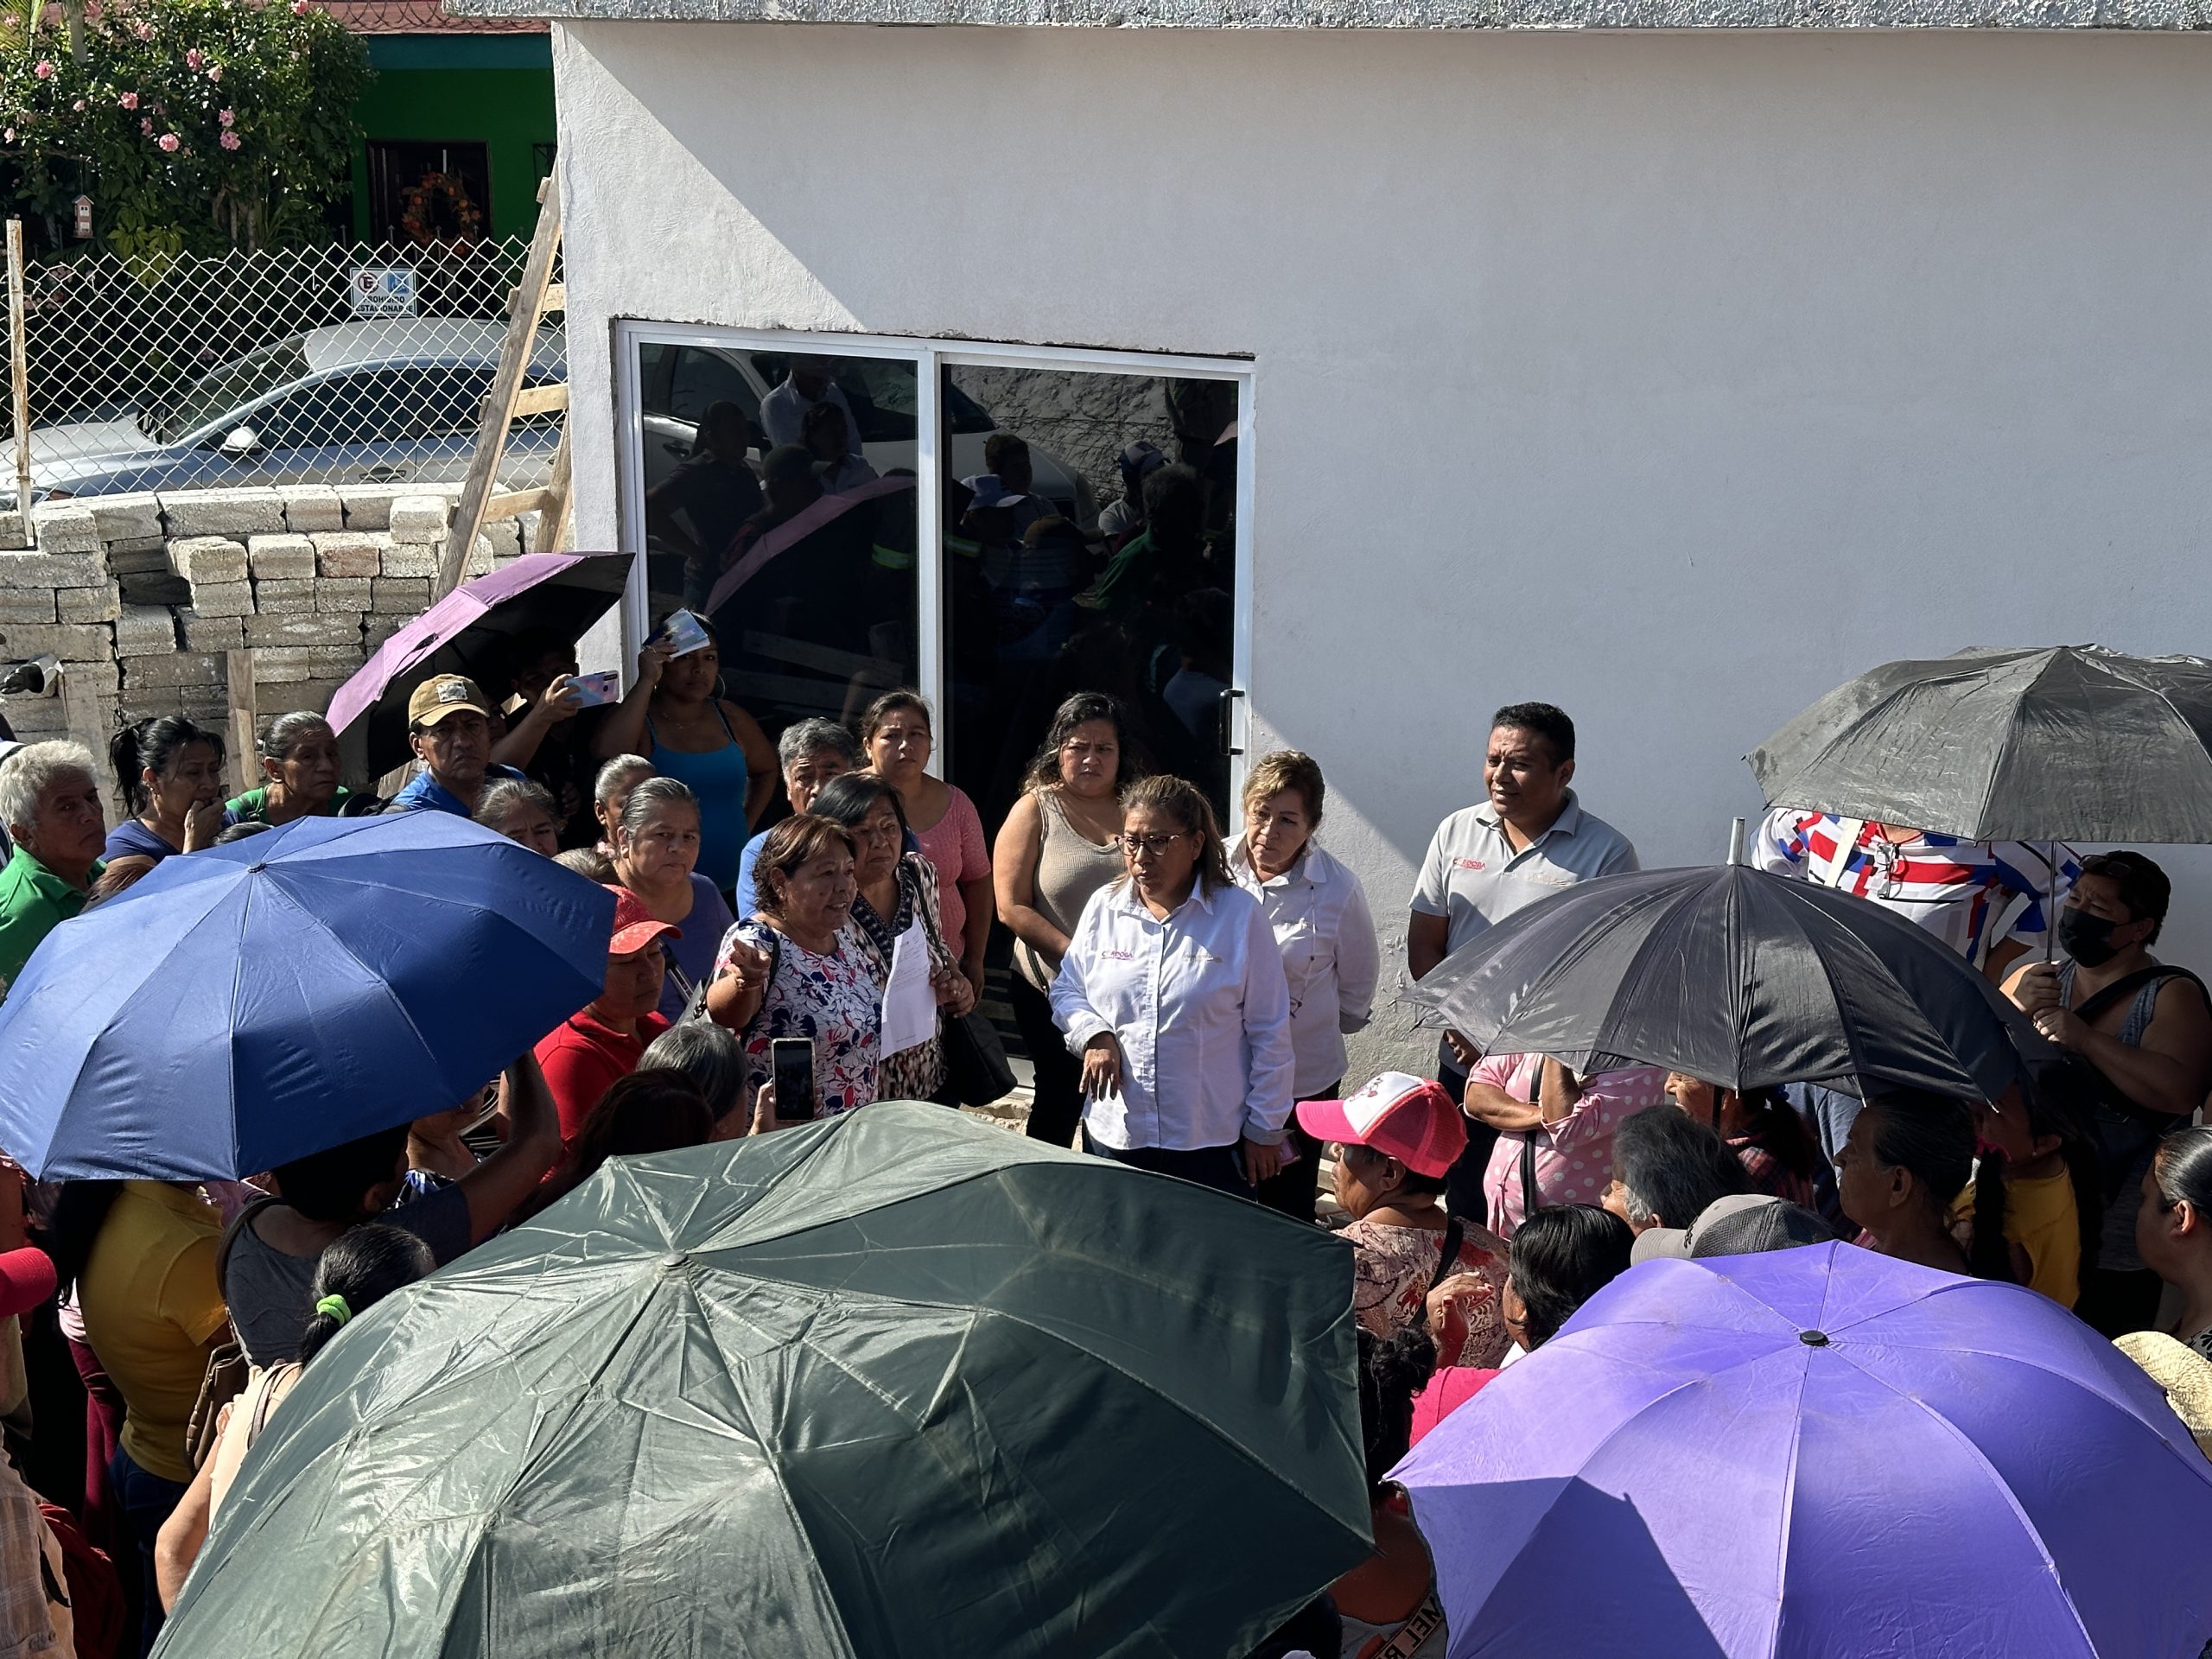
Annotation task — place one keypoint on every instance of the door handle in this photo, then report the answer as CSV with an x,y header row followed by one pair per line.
x,y
384,475
1229,744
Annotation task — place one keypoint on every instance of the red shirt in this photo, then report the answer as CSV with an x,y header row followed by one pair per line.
x,y
582,1058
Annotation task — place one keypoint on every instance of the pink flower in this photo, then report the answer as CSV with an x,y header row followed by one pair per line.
x,y
143,31
193,59
169,142
145,123
214,72
8,136
228,118
45,69
129,101
229,140
299,8
78,106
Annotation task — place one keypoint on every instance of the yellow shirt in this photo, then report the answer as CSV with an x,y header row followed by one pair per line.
x,y
2041,1217
152,1311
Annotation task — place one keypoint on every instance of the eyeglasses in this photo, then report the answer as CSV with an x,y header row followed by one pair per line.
x,y
1132,845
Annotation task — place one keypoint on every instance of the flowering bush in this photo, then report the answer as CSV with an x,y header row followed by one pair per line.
x,y
194,124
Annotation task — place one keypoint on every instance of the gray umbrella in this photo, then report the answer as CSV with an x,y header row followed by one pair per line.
x,y
1737,976
2063,742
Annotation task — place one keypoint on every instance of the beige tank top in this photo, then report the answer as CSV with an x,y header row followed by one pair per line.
x,y
1070,868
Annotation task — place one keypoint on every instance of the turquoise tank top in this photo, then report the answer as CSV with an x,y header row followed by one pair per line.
x,y
718,778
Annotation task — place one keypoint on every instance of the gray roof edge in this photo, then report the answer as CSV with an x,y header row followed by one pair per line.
x,y
2061,15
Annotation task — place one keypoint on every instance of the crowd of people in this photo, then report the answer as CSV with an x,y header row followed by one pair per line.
x,y
805,926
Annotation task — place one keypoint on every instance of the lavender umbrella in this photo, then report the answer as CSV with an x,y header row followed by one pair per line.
x,y
467,633
1818,1452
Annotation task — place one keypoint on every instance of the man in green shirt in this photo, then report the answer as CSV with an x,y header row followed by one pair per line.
x,y
50,801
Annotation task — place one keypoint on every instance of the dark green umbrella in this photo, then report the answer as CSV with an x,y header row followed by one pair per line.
x,y
902,1383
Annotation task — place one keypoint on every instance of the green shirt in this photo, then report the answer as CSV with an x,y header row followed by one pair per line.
x,y
252,807
1122,587
34,901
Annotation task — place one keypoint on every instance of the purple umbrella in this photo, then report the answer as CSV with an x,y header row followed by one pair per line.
x,y
1818,1452
468,631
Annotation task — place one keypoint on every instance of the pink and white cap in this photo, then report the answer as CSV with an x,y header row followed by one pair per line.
x,y
1398,1115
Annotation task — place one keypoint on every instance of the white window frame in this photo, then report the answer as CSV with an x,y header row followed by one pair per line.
x,y
929,358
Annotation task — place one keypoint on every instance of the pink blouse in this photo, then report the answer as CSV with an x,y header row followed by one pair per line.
x,y
955,845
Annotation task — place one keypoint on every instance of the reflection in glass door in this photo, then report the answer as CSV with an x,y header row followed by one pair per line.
x,y
1090,544
778,501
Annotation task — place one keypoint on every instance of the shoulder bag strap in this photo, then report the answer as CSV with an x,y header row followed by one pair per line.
x,y
2128,984
926,905
1528,1145
1455,1235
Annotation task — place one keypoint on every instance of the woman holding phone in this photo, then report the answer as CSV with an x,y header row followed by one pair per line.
x,y
796,971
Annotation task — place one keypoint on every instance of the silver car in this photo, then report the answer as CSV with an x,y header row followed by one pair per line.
x,y
359,403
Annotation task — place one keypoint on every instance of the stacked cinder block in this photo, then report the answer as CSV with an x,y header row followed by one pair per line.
x,y
141,597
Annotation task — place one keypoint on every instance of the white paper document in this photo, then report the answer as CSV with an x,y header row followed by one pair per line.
x,y
909,1001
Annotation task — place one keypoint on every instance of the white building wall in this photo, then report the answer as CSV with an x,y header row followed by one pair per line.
x,y
1671,378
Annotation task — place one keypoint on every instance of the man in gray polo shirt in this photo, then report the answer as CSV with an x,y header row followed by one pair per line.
x,y
1530,837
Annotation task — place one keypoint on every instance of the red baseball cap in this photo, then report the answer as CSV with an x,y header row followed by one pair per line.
x,y
636,927
26,1280
1400,1116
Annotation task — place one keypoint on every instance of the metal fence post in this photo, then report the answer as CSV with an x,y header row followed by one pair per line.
x,y
19,375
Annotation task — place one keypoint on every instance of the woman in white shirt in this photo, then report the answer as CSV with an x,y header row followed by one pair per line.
x,y
1173,993
1322,927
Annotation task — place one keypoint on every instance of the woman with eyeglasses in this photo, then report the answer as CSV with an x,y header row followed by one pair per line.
x,y
1059,846
1173,993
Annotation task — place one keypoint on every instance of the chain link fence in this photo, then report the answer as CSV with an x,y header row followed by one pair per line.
x,y
355,363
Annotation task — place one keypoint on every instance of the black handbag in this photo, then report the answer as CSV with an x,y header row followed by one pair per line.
x,y
976,1069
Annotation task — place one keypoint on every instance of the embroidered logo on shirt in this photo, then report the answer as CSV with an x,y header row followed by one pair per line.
x,y
1118,955
1471,864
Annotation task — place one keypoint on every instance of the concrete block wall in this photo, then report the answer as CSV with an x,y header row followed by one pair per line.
x,y
140,597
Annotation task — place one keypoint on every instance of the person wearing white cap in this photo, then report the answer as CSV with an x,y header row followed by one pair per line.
x,y
1395,1140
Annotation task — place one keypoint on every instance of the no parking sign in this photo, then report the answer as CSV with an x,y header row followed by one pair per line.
x,y
384,291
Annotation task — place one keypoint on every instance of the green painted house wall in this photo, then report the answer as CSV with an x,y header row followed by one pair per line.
x,y
496,90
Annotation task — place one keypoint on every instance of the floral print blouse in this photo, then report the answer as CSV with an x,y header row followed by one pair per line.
x,y
829,999
1391,1270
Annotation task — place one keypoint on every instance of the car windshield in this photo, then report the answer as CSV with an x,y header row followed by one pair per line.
x,y
228,389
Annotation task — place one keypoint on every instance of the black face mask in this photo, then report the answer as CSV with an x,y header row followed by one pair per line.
x,y
2087,938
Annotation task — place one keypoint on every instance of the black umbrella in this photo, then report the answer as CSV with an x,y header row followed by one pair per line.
x,y
2068,742
1735,976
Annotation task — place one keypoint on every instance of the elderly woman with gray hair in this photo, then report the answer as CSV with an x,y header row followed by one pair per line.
x,y
611,788
522,810
656,856
50,801
809,754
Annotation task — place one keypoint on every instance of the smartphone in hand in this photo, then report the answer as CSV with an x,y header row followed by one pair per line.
x,y
791,1063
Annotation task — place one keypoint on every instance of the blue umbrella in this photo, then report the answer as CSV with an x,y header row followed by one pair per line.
x,y
249,1004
